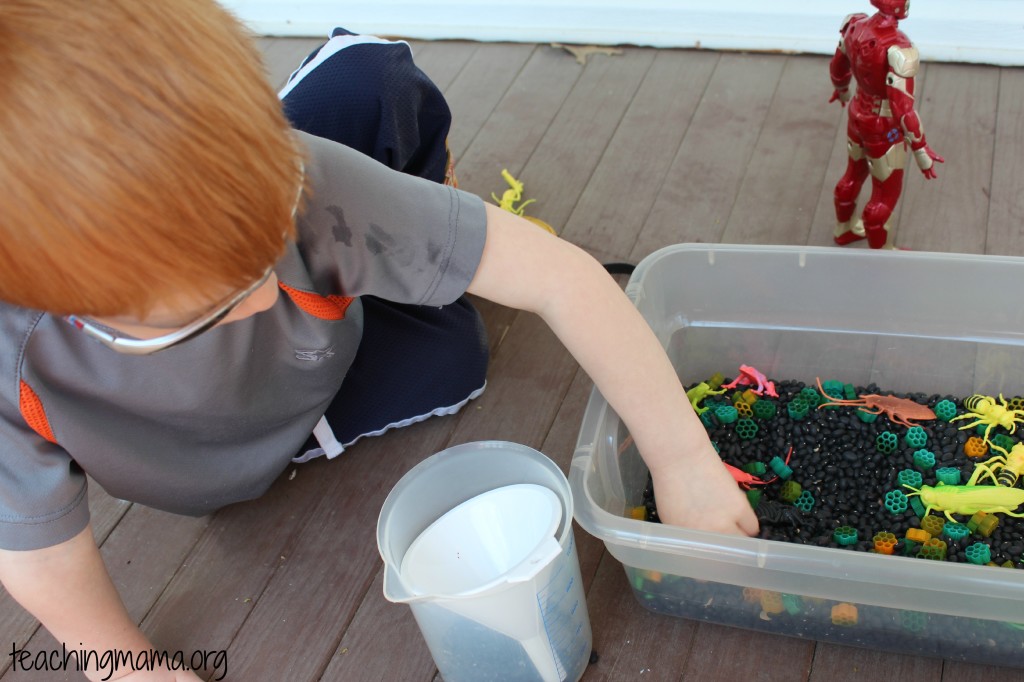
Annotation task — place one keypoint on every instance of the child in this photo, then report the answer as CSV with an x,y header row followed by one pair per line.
x,y
190,289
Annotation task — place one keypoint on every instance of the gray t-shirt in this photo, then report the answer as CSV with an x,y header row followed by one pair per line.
x,y
217,419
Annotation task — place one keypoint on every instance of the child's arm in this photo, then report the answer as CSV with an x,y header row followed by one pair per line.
x,y
527,268
68,589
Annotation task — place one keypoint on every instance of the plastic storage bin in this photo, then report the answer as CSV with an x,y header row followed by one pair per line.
x,y
927,322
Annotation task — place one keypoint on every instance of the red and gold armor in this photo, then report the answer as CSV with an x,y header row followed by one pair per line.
x,y
882,121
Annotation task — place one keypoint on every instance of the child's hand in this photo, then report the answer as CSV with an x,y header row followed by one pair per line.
x,y
699,493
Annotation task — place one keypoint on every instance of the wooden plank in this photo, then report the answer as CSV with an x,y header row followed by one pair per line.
x,y
382,643
631,642
230,566
281,56
560,446
1006,208
722,654
444,60
836,663
515,127
700,188
780,190
612,209
523,393
559,170
478,89
328,569
965,672
950,213
823,225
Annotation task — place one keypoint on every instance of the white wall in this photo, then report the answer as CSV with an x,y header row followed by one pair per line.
x,y
984,31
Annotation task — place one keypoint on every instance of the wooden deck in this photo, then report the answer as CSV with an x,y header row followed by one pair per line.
x,y
624,154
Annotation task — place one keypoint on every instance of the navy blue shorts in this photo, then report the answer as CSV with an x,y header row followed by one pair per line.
x,y
413,361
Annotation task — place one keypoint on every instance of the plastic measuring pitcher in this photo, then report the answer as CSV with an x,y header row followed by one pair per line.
x,y
505,535
478,541
483,547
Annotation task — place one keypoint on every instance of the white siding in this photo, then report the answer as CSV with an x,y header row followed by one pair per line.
x,y
984,31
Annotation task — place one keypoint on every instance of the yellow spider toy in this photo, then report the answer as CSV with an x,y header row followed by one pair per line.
x,y
1004,470
984,410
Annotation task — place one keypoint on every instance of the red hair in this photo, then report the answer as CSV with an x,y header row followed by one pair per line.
x,y
144,155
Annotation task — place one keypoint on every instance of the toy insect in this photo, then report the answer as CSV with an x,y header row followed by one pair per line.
x,y
777,513
699,393
898,410
741,477
746,481
514,194
969,499
749,376
986,411
1004,470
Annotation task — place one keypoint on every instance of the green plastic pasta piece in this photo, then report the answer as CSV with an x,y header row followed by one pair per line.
x,y
979,553
933,549
916,437
764,409
726,414
805,502
866,417
933,525
886,442
955,531
924,460
910,477
797,408
746,428
781,469
945,410
845,536
896,501
948,475
790,491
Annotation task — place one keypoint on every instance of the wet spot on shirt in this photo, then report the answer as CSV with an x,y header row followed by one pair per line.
x,y
378,240
342,232
433,253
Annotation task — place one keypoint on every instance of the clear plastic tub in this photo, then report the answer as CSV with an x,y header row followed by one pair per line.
x,y
906,321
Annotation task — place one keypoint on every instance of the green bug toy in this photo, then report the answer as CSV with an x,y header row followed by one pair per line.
x,y
969,499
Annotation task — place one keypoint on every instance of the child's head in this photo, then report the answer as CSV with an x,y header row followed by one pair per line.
x,y
142,154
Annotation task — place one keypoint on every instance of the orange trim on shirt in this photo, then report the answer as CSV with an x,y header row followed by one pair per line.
x,y
321,307
33,413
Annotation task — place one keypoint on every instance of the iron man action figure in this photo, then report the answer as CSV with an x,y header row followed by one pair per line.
x,y
882,120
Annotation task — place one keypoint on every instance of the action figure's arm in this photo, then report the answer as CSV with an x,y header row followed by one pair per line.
x,y
903,66
839,69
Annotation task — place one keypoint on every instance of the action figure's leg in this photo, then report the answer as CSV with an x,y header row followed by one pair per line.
x,y
846,192
886,186
884,195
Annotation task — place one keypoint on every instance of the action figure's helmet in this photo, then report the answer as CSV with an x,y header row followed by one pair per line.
x,y
897,8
